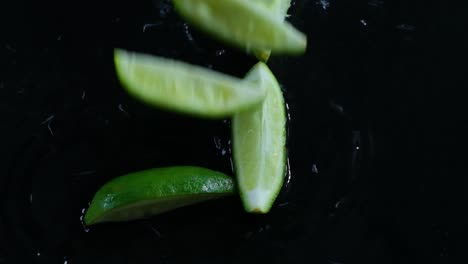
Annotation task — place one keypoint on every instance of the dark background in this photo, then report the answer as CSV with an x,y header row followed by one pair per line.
x,y
368,137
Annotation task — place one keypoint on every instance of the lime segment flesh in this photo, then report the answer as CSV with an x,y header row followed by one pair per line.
x,y
146,193
243,23
184,88
280,9
259,145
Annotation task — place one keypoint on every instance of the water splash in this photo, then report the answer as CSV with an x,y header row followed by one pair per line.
x,y
121,109
288,175
325,4
48,121
85,227
148,26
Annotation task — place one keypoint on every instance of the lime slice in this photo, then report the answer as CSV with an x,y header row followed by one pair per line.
x,y
280,9
146,193
259,145
243,23
184,88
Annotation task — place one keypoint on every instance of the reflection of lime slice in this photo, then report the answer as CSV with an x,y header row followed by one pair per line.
x,y
141,194
184,88
259,145
243,23
280,9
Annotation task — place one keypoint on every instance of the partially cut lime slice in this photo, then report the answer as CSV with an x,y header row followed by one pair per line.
x,y
243,23
280,9
146,193
259,145
184,88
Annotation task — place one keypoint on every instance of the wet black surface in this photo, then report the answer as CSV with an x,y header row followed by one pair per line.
x,y
366,138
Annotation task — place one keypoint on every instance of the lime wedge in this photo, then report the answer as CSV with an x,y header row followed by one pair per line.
x,y
146,193
259,145
280,9
184,88
243,23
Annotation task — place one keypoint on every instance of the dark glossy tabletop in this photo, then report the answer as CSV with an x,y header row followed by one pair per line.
x,y
362,137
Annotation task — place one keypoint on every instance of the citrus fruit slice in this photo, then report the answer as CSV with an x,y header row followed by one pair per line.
x,y
243,23
259,145
184,88
146,193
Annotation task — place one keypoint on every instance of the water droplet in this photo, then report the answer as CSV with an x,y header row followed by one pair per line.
x,y
363,22
325,4
48,119
232,165
121,108
375,3
220,52
338,108
314,169
288,174
85,228
10,48
148,26
38,254
337,204
188,34
82,173
217,142
406,27
288,112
